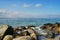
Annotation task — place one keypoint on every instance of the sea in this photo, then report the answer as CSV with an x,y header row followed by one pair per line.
x,y
14,22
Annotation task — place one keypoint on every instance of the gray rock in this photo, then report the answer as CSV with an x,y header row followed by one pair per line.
x,y
57,37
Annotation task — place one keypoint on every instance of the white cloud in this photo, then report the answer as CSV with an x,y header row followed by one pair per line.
x,y
26,5
5,13
38,5
3,10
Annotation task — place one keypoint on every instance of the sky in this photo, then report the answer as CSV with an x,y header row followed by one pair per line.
x,y
29,8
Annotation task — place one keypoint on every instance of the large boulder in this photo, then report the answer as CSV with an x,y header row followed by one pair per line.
x,y
8,37
34,36
5,30
23,38
30,30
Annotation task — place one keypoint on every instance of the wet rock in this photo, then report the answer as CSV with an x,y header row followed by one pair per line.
x,y
5,30
23,38
48,24
23,27
29,26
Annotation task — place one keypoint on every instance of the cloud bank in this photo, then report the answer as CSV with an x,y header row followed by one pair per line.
x,y
4,13
10,14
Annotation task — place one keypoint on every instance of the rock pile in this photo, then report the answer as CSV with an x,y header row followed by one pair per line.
x,y
48,30
23,33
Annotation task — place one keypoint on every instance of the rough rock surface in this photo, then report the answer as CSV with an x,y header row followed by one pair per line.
x,y
57,38
30,31
8,37
33,35
5,30
23,38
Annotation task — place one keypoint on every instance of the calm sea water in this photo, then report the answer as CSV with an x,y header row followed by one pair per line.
x,y
28,21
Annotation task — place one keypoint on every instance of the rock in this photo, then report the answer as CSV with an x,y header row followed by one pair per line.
x,y
30,30
5,30
23,27
8,37
31,26
23,38
57,37
51,39
48,24
58,30
33,35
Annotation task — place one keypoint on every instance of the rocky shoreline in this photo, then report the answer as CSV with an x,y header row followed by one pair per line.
x,y
19,33
30,32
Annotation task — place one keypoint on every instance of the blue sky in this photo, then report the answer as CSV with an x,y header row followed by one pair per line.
x,y
29,8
